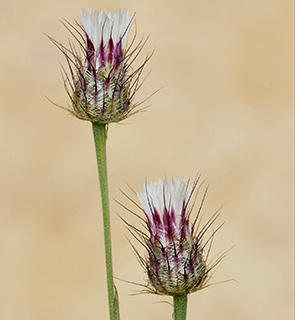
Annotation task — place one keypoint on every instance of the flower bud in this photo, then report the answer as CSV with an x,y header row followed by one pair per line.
x,y
100,83
175,262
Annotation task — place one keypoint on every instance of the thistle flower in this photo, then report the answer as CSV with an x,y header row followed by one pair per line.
x,y
100,83
176,262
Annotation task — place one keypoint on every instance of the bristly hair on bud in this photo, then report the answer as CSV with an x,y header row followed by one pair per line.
x,y
101,83
177,250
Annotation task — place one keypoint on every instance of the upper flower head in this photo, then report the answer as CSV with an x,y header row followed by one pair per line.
x,y
176,262
105,36
101,84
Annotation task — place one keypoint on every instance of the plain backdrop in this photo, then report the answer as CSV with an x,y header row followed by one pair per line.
x,y
224,110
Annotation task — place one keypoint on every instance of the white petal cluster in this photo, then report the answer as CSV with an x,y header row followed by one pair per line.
x,y
101,26
170,194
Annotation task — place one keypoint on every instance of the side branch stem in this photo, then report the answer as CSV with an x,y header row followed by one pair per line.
x,y
100,137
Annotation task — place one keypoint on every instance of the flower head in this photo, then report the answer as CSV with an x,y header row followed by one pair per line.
x,y
100,83
176,262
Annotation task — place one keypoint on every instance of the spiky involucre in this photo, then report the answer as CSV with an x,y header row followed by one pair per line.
x,y
101,84
175,262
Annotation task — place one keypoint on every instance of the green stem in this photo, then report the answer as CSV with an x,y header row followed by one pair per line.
x,y
100,137
180,304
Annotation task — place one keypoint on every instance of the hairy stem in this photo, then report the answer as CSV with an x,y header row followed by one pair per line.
x,y
180,304
100,137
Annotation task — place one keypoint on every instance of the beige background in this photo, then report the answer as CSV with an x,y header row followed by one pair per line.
x,y
225,110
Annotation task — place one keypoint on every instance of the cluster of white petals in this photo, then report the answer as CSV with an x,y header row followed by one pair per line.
x,y
163,194
100,27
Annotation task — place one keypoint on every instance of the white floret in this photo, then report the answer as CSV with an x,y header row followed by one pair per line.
x,y
161,194
100,26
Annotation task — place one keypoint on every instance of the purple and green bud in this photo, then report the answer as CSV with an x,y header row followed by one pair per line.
x,y
175,261
101,84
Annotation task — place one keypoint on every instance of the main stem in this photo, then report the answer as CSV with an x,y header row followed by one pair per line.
x,y
180,304
100,138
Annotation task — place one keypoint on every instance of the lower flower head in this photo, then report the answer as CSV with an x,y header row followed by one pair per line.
x,y
176,262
